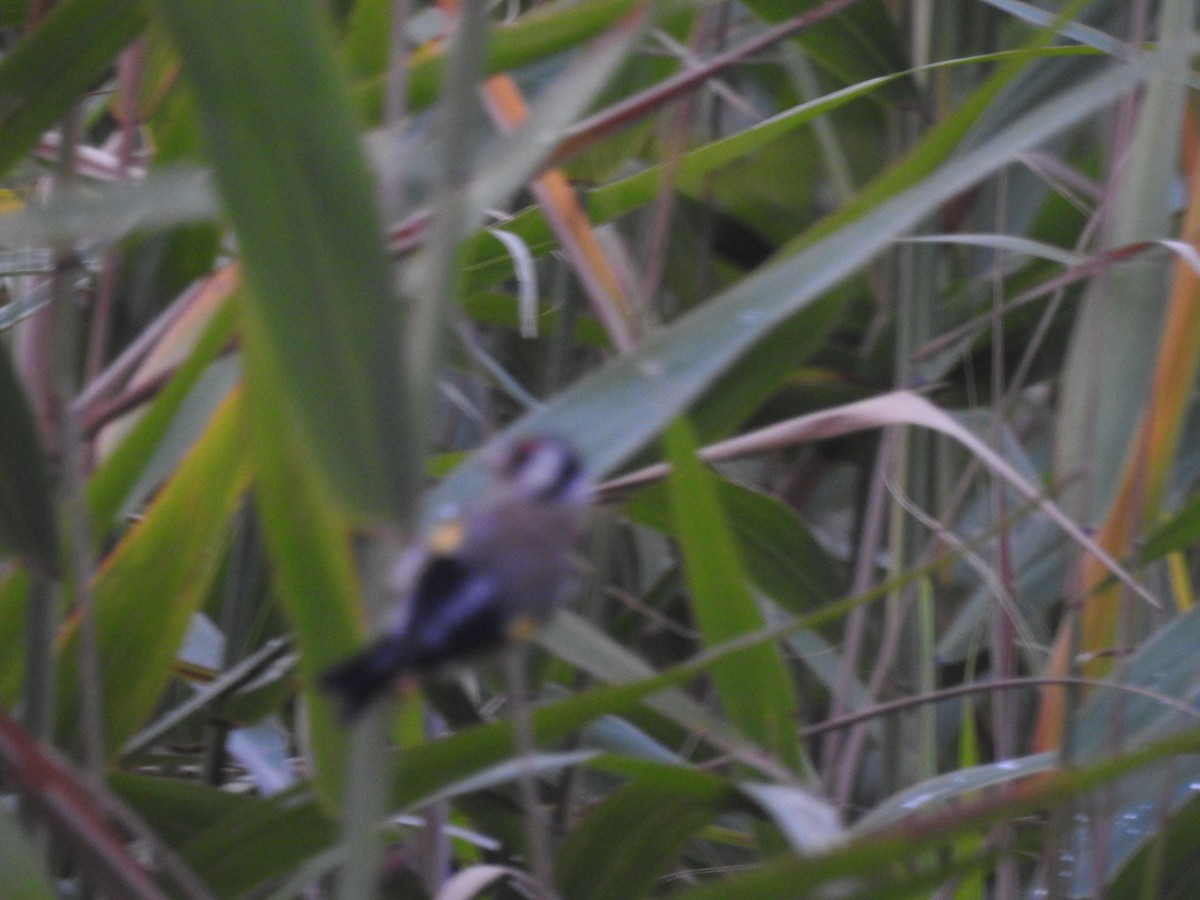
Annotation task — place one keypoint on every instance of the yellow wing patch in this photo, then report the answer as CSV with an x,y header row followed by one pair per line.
x,y
522,628
446,539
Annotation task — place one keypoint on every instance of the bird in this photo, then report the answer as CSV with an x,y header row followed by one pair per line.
x,y
480,581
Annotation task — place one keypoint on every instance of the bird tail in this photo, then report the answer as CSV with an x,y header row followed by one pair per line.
x,y
357,681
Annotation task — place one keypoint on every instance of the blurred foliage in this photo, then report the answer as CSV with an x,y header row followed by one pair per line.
x,y
849,655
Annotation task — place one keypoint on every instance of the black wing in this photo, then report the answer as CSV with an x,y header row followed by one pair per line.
x,y
456,614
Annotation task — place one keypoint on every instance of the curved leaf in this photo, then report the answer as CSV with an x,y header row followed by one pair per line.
x,y
627,841
293,178
754,688
56,62
148,588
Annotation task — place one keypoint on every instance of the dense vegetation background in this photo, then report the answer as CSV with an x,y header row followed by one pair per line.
x,y
919,280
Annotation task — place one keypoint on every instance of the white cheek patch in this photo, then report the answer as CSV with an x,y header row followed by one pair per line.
x,y
542,471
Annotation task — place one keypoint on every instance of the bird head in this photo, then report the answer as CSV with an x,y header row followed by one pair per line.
x,y
542,467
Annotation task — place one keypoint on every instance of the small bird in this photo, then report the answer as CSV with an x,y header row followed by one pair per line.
x,y
481,581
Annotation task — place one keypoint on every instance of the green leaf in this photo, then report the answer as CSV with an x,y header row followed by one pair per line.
x,y
856,44
936,146
313,570
422,770
284,146
1178,533
781,557
20,873
26,504
755,687
1106,384
257,841
543,32
1167,665
809,823
165,197
13,12
951,788
14,603
47,71
882,865
176,809
1166,866
637,832
573,639
109,487
755,378
158,575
